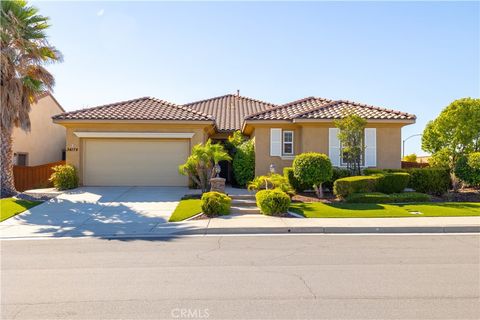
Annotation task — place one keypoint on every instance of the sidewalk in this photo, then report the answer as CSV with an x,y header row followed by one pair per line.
x,y
260,224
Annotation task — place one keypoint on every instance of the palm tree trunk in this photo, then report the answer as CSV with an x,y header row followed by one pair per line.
x,y
6,175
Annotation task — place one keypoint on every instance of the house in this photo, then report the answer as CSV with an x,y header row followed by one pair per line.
x,y
142,141
45,142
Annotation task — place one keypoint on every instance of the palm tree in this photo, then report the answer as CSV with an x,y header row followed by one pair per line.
x,y
200,164
24,51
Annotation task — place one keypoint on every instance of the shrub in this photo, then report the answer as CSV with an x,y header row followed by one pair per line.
x,y
244,163
272,202
346,186
378,197
313,169
215,204
392,182
272,181
338,173
293,181
370,171
430,180
410,158
466,172
64,177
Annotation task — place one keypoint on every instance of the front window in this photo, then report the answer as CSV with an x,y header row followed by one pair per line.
x,y
288,142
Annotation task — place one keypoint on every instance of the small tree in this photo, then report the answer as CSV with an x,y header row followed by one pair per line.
x,y
455,132
351,138
313,169
199,166
410,158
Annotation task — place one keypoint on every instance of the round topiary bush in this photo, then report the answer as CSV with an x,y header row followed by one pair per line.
x,y
64,177
313,169
273,201
215,204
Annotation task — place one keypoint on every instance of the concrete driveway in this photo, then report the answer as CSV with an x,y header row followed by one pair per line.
x,y
97,211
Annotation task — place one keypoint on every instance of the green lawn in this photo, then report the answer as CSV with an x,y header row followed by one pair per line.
x,y
186,209
371,210
10,207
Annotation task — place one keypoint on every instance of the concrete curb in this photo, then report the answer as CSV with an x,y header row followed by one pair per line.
x,y
329,230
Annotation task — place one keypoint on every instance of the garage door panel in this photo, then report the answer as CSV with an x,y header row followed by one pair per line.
x,y
130,162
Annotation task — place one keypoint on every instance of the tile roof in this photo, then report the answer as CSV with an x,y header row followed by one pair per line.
x,y
230,110
145,108
319,108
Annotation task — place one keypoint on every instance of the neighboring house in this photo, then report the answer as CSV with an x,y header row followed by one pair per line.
x,y
45,142
142,141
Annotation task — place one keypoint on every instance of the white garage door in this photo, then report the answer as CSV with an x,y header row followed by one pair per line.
x,y
134,162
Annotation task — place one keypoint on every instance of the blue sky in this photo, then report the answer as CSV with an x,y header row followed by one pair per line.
x,y
413,56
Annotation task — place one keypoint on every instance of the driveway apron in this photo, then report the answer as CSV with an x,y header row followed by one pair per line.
x,y
97,211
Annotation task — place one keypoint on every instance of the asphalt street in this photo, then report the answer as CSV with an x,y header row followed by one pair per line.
x,y
243,277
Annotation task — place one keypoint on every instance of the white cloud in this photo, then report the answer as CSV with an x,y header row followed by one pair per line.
x,y
100,12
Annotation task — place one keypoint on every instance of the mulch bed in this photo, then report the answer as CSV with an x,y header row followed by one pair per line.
x,y
312,197
463,195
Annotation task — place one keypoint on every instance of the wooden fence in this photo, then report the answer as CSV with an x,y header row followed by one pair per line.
x,y
33,177
409,165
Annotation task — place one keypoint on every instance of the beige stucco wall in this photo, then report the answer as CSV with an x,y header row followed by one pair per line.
x,y
262,148
313,137
46,140
75,157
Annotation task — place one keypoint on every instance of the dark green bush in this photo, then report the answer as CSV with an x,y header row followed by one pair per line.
x,y
369,172
244,163
346,186
392,182
430,180
272,202
338,173
215,204
378,197
372,171
64,177
294,182
466,173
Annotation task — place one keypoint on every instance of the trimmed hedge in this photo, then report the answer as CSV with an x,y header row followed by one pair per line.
x,y
378,197
294,182
346,186
215,204
430,180
338,173
371,171
64,177
392,182
272,202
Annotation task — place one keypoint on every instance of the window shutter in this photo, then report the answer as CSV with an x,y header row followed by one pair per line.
x,y
275,142
370,147
334,146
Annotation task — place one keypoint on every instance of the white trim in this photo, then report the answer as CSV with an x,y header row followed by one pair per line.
x,y
292,143
287,157
148,135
